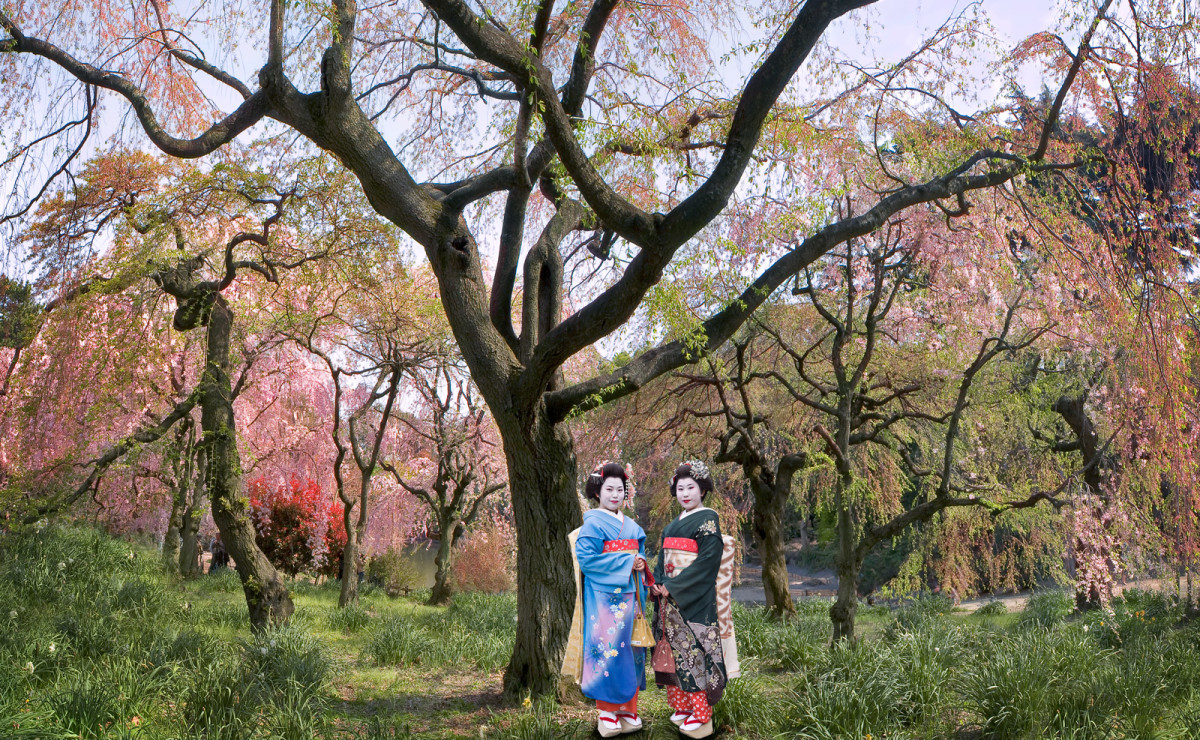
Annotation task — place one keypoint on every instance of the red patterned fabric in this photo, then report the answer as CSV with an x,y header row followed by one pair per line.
x,y
620,545
680,543
629,706
682,701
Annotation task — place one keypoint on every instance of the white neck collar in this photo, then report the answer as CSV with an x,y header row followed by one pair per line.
x,y
617,513
693,511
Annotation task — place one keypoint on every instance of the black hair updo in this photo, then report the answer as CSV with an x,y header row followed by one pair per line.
x,y
596,479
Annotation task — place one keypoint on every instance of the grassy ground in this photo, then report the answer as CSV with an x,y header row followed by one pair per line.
x,y
98,643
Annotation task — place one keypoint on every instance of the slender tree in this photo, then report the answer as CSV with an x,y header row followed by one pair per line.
x,y
760,443
453,433
866,402
180,454
367,328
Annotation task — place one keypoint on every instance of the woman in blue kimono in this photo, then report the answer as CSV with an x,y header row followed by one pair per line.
x,y
610,551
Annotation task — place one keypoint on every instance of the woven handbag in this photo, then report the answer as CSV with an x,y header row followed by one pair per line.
x,y
643,636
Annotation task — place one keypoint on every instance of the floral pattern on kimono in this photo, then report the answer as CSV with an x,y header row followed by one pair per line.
x,y
613,670
699,663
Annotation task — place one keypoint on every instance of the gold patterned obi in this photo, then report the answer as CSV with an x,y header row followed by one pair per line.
x,y
678,553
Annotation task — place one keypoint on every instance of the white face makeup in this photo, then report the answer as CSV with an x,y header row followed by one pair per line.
x,y
687,491
612,493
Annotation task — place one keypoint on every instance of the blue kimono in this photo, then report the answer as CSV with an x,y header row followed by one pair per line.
x,y
606,548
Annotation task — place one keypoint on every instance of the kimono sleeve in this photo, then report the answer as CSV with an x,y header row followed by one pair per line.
x,y
697,582
658,565
610,570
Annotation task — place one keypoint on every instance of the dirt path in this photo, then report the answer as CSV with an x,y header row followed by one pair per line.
x,y
802,583
1016,602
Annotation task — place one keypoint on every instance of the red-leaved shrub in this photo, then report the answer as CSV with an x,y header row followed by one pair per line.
x,y
298,528
486,559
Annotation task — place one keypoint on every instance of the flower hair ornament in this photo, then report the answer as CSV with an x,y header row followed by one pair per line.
x,y
699,469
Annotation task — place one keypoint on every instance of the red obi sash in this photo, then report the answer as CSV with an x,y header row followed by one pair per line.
x,y
680,543
620,545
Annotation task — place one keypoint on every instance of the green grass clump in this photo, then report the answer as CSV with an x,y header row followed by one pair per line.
x,y
398,642
920,613
1046,609
991,609
350,619
285,658
751,706
857,691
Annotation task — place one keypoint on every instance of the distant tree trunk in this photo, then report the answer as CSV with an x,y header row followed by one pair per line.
x,y
189,551
1191,594
356,541
771,492
767,523
1073,412
266,593
541,475
847,566
349,589
450,528
171,540
181,456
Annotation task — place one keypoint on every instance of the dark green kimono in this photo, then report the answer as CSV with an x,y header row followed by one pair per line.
x,y
688,562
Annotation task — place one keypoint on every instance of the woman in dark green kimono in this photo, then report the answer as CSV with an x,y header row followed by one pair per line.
x,y
685,591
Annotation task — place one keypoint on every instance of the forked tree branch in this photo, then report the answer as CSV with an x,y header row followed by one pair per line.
x,y
251,111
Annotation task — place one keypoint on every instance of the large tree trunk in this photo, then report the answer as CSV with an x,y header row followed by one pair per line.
x,y
448,526
189,532
846,565
266,594
541,474
767,524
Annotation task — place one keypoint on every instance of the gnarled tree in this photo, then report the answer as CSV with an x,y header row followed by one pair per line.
x,y
452,434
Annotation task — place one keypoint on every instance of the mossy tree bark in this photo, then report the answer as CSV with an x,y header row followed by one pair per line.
x,y
200,303
450,530
181,455
190,564
266,593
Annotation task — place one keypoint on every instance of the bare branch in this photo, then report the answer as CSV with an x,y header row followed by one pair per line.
x,y
143,436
